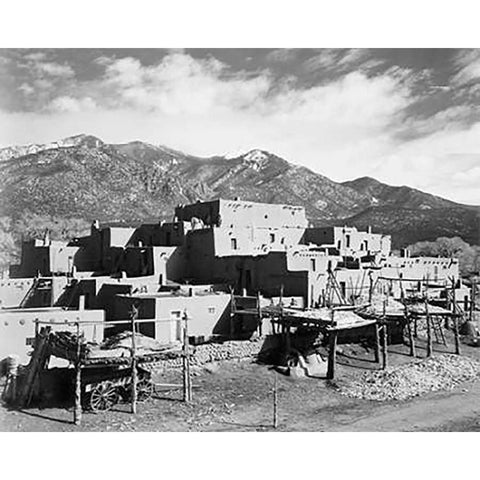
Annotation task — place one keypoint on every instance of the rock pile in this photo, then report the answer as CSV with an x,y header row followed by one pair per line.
x,y
212,352
442,372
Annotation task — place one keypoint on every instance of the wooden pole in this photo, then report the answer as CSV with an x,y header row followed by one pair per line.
x,y
411,338
472,300
187,384
385,346
442,334
332,340
259,313
77,411
377,343
287,339
134,361
275,401
232,313
370,287
457,336
429,330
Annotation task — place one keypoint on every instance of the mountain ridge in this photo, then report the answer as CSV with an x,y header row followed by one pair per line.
x,y
85,178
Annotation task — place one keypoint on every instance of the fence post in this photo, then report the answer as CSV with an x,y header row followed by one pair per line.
x,y
77,411
429,330
187,384
275,401
134,361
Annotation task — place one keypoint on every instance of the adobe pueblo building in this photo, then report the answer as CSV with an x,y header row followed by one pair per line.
x,y
209,254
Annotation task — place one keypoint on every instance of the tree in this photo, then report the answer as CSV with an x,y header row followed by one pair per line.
x,y
451,247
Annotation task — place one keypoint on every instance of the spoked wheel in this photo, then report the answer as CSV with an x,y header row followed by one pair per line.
x,y
145,389
103,397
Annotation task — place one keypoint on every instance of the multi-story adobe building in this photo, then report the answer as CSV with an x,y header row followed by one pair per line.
x,y
247,246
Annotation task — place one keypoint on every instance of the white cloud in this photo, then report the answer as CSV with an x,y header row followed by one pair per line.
x,y
468,66
343,128
70,104
55,69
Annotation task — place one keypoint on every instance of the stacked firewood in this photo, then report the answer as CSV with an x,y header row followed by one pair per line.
x,y
65,345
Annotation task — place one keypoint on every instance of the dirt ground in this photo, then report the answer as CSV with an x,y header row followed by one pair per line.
x,y
237,396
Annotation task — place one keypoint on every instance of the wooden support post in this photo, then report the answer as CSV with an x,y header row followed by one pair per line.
x,y
415,327
134,361
472,300
232,313
275,401
77,410
385,346
187,383
411,338
377,342
332,340
457,336
442,334
287,339
259,313
429,331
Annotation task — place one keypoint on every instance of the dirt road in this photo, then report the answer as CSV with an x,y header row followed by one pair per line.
x,y
238,397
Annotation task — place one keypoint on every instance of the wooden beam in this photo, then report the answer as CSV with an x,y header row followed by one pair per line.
x,y
429,331
77,411
187,383
259,313
134,379
377,342
332,340
411,338
385,346
275,401
457,335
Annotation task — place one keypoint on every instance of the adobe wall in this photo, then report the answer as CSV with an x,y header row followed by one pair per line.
x,y
240,214
13,291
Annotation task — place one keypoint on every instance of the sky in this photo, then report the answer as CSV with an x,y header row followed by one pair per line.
x,y
403,116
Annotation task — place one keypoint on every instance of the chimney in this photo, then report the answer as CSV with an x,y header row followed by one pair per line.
x,y
369,229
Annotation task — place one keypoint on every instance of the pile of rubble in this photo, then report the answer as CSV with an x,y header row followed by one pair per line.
x,y
442,372
212,352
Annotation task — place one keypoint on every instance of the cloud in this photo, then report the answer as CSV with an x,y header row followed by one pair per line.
x,y
71,104
54,69
467,63
179,84
355,121
282,55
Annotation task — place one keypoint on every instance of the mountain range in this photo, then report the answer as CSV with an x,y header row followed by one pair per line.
x,y
82,177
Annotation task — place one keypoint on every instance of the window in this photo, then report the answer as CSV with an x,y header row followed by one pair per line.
x,y
233,243
313,264
211,310
272,238
348,241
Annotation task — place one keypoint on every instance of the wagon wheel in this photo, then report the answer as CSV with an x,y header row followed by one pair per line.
x,y
145,389
103,397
